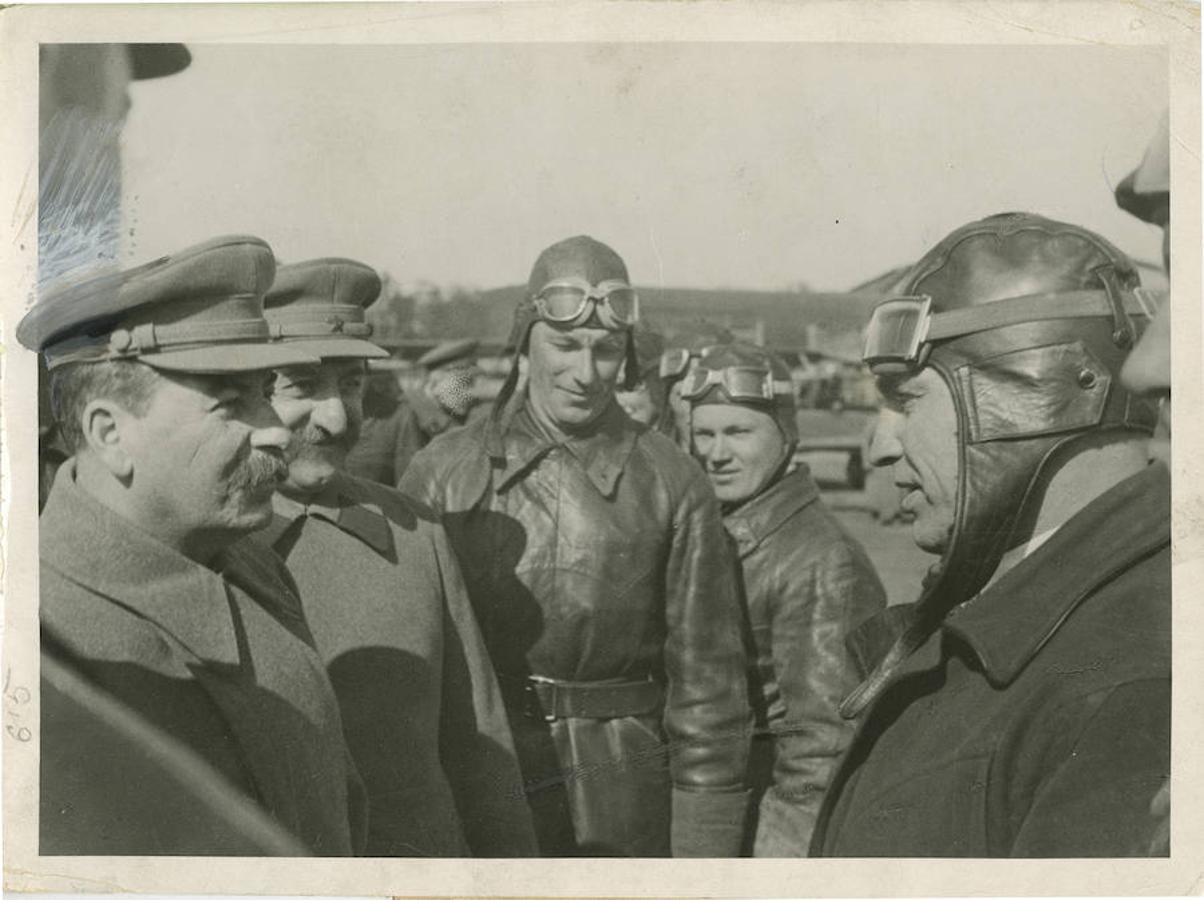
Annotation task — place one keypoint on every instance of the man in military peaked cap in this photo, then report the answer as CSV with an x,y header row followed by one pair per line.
x,y
147,591
597,565
384,597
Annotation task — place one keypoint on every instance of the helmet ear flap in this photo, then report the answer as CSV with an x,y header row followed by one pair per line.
x,y
631,367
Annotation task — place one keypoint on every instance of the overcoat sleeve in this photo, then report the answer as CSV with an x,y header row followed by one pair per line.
x,y
476,745
708,721
818,598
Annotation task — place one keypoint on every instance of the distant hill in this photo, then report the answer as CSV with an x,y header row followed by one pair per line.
x,y
779,319
790,321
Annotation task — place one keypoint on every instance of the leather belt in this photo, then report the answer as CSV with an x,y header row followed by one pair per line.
x,y
549,699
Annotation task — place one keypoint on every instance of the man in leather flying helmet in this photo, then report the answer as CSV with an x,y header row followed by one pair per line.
x,y
1024,707
596,563
806,583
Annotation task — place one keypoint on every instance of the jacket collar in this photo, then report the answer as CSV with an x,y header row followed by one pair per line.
x,y
1009,622
107,554
516,444
754,521
341,505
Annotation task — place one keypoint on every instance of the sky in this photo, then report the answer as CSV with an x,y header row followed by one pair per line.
x,y
761,166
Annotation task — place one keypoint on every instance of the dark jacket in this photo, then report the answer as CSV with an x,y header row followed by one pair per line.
x,y
1036,720
807,585
218,658
421,707
602,561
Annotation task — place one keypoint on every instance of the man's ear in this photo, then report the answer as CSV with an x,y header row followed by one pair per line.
x,y
102,422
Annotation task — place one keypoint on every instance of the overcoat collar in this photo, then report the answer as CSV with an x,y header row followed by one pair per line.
x,y
340,505
105,553
750,524
515,445
1010,621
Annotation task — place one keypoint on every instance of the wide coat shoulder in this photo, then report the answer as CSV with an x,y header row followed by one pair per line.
x,y
451,472
401,509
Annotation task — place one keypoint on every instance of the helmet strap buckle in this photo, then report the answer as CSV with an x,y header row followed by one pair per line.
x,y
1124,335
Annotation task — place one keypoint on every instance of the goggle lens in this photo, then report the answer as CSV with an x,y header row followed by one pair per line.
x,y
896,331
738,382
674,362
562,304
568,302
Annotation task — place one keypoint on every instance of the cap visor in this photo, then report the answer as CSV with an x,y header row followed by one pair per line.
x,y
157,60
326,347
230,358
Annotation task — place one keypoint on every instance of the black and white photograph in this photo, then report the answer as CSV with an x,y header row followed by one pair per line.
x,y
466,442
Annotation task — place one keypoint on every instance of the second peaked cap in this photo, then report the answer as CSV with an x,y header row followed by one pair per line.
x,y
319,304
198,310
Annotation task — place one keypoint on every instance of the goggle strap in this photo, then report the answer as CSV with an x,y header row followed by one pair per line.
x,y
1032,308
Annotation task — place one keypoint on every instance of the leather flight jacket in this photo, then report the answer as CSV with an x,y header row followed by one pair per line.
x,y
599,565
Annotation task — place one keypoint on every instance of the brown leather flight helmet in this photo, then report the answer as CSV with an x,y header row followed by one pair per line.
x,y
740,355
1030,378
576,257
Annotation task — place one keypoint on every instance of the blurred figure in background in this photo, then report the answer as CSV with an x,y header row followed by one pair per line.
x,y
83,103
598,568
1146,193
807,583
645,402
444,401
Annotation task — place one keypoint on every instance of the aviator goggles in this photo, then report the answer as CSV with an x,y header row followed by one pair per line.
x,y
574,300
738,382
902,330
674,362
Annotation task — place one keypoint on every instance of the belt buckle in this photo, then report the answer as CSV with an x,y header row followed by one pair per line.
x,y
532,704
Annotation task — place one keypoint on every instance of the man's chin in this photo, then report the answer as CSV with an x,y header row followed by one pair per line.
x,y
576,418
305,480
927,540
254,516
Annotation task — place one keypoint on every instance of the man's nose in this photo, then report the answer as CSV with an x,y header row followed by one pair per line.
x,y
718,451
584,371
331,415
267,431
885,448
